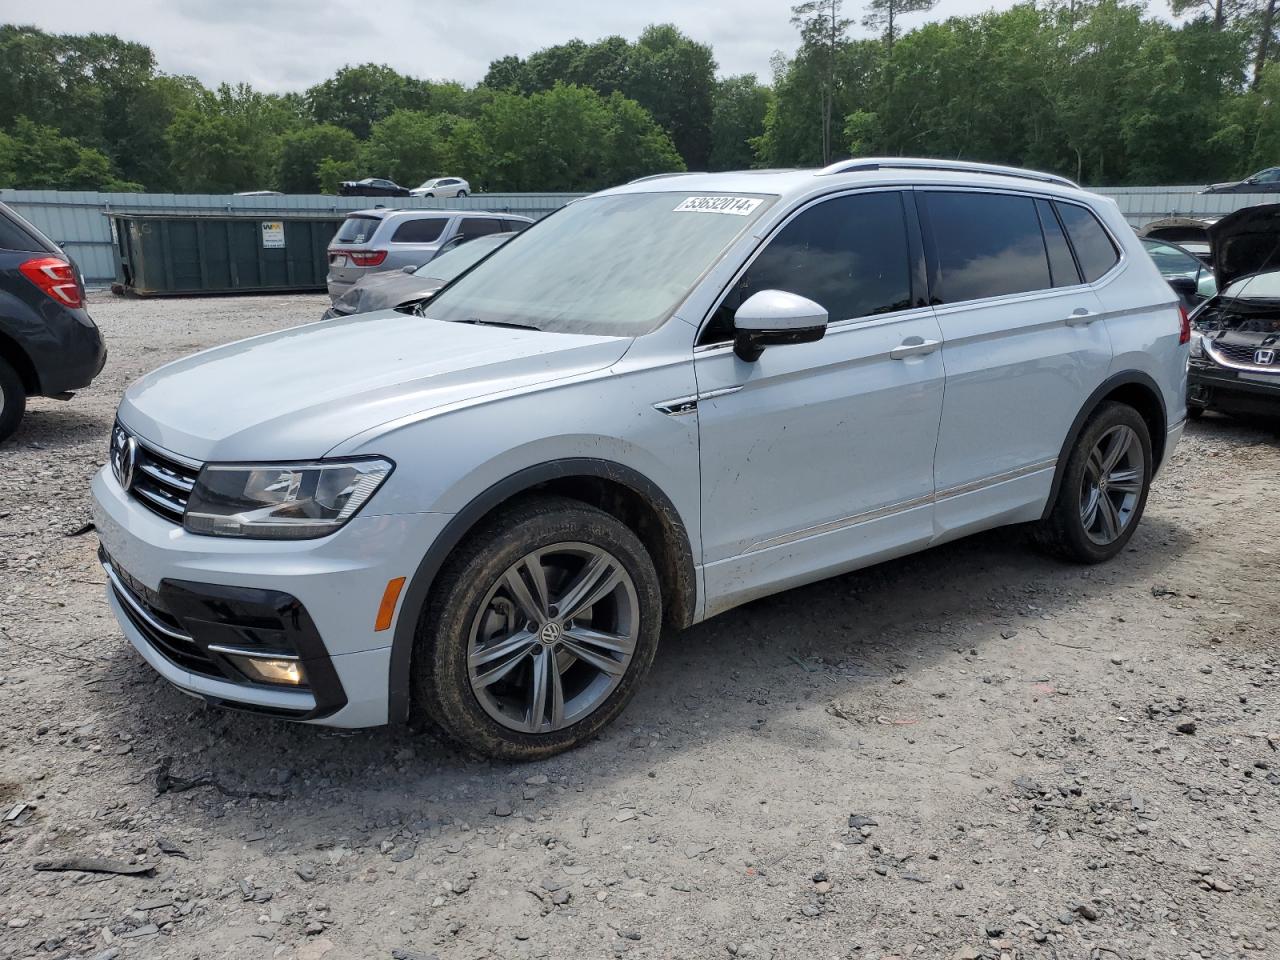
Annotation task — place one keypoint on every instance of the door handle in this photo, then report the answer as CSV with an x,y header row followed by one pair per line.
x,y
914,347
1082,317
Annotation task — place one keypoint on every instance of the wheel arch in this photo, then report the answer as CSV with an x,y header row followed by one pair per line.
x,y
1133,387
619,490
12,352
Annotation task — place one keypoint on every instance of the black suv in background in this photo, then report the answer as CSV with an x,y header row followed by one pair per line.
x,y
49,345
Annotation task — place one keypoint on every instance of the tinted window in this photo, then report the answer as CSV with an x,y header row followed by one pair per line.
x,y
357,229
1062,266
419,231
986,245
513,226
849,254
1270,175
1094,249
477,227
13,236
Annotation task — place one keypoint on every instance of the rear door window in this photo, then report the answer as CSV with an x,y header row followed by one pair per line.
x,y
1094,249
426,230
848,254
478,227
985,245
513,226
357,229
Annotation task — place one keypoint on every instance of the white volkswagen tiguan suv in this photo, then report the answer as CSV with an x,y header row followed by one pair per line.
x,y
660,402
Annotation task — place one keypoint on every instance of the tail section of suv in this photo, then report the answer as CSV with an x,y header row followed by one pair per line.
x,y
371,241
672,398
49,346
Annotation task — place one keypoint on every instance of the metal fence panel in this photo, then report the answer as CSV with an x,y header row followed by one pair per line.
x,y
78,219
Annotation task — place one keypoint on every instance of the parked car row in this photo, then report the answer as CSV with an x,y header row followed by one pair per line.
x,y
443,187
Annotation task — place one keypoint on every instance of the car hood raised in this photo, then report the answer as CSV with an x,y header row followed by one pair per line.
x,y
295,394
1245,242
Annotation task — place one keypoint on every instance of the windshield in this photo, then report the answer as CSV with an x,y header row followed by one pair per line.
x,y
1259,286
608,265
453,262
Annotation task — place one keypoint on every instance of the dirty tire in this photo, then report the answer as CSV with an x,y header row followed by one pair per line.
x,y
1063,532
13,400
441,679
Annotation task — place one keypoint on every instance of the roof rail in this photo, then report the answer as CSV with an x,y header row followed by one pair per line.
x,y
913,163
659,176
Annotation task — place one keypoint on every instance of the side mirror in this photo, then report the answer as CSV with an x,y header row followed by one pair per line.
x,y
775,317
409,268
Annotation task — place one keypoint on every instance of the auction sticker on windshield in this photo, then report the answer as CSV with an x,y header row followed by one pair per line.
x,y
738,206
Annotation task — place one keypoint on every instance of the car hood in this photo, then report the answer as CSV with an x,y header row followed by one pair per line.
x,y
295,394
1215,187
1245,242
385,291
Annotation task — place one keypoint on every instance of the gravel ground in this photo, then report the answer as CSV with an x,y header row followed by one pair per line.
x,y
974,752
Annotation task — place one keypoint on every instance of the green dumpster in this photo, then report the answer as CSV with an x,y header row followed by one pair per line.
x,y
168,254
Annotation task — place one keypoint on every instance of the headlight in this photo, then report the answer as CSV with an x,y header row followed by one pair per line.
x,y
285,501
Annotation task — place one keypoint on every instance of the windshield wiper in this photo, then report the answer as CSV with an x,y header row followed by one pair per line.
x,y
476,321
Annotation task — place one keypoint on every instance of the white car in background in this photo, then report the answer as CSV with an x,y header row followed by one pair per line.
x,y
442,187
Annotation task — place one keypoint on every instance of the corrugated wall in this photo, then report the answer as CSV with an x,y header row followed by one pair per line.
x,y
77,219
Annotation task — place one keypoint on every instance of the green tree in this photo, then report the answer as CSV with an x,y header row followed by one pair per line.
x,y
885,14
737,118
823,35
230,140
37,157
304,149
673,77
356,98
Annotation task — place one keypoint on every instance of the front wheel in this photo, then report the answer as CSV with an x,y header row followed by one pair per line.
x,y
13,400
1104,487
540,630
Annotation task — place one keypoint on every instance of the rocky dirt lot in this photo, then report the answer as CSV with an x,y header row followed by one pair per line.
x,y
975,752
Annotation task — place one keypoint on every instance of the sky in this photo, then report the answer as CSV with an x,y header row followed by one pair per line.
x,y
282,45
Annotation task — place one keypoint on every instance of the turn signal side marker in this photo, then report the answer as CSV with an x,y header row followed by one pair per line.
x,y
387,609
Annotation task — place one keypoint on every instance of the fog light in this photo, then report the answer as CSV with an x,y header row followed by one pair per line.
x,y
288,673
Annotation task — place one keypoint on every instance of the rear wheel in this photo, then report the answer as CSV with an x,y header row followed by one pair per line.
x,y
1104,487
13,400
541,628
462,193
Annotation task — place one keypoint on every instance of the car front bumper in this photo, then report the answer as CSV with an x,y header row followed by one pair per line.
x,y
1212,385
316,600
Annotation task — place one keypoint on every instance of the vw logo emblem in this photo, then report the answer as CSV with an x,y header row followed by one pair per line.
x,y
124,459
550,633
1264,357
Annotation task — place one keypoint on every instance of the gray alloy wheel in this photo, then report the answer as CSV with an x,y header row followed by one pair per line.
x,y
553,637
1111,487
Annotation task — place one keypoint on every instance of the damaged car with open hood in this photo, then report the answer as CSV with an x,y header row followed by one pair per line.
x,y
1235,347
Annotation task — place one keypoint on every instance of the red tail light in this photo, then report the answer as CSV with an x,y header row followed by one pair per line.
x,y
371,259
56,278
1184,335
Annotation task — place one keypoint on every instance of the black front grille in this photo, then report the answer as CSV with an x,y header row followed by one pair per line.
x,y
160,482
1238,352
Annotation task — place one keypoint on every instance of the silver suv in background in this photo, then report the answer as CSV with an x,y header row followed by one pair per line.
x,y
373,240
